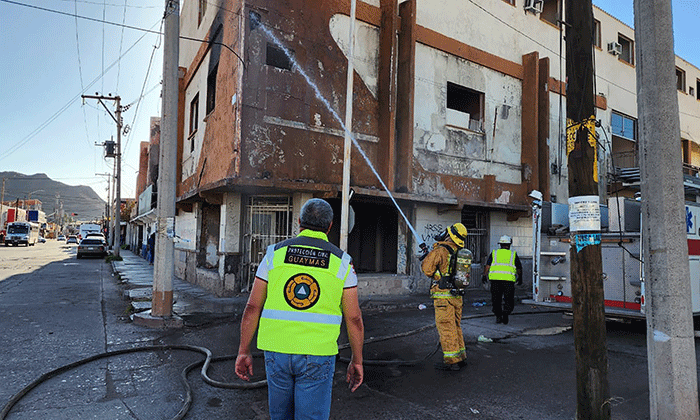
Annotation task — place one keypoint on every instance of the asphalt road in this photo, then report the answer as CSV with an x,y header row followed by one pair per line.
x,y
55,309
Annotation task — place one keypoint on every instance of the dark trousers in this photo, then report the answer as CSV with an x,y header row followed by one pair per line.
x,y
502,292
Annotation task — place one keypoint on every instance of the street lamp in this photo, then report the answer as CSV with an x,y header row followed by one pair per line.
x,y
29,197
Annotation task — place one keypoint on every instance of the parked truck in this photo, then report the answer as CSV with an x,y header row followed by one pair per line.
x,y
22,233
622,258
86,228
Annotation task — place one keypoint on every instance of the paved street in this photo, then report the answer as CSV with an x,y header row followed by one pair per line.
x,y
63,309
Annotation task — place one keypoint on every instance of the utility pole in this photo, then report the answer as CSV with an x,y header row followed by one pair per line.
x,y
163,268
673,378
117,117
347,146
592,389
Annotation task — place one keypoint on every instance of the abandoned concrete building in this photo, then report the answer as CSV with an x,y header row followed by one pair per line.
x,y
461,114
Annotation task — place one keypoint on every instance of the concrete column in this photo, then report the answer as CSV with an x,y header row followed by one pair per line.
x,y
164,253
673,378
229,237
298,200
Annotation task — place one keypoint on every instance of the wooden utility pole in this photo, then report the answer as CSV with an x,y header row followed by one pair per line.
x,y
117,117
673,377
592,390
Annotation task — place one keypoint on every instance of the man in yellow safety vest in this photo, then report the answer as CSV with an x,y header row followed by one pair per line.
x,y
504,270
303,289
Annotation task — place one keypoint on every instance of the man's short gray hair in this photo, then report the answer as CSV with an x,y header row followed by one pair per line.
x,y
316,214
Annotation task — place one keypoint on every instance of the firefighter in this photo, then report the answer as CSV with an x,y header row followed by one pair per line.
x,y
503,269
447,301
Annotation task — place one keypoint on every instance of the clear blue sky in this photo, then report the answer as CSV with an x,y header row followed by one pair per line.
x,y
44,128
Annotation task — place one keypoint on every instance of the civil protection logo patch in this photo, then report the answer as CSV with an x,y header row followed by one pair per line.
x,y
301,291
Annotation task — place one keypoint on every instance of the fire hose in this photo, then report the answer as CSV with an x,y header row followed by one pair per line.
x,y
209,359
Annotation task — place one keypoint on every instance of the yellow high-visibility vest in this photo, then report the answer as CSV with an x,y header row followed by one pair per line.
x,y
302,312
502,265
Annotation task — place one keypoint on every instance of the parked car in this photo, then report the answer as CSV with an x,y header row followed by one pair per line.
x,y
91,247
61,238
97,235
72,239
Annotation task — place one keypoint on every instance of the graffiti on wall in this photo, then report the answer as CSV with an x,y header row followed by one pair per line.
x,y
430,230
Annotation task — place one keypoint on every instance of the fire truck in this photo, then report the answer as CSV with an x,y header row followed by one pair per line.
x,y
622,257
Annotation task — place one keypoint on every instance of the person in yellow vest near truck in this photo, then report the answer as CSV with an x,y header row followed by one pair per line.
x,y
303,289
447,302
503,269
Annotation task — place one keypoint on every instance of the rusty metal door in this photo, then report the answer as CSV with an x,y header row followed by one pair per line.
x,y
268,221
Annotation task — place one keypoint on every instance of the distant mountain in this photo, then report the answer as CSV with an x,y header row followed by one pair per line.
x,y
80,199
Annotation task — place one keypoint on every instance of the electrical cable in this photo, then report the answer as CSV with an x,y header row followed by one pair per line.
x,y
143,87
208,360
121,43
52,118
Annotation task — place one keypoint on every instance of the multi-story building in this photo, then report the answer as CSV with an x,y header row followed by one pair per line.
x,y
458,106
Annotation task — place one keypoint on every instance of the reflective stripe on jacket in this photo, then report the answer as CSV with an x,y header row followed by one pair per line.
x,y
305,280
502,265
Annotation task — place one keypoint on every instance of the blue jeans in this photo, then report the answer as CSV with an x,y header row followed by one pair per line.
x,y
299,386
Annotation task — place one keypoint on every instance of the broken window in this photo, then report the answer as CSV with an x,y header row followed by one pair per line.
x,y
680,79
211,89
627,44
467,101
276,57
194,119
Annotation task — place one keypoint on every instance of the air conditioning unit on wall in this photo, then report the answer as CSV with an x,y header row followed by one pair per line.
x,y
614,48
533,6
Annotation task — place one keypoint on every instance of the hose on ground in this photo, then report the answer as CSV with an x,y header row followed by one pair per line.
x,y
208,360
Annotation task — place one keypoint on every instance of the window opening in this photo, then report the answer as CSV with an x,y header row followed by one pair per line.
x,y
277,58
511,2
269,220
468,101
680,79
697,88
550,12
596,33
627,44
624,146
194,119
201,11
211,89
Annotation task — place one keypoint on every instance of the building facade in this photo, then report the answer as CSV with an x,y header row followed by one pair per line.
x,y
458,113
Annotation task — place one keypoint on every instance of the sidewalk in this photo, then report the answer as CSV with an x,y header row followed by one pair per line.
x,y
191,302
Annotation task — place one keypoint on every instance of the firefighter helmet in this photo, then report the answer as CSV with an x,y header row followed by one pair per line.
x,y
458,233
506,240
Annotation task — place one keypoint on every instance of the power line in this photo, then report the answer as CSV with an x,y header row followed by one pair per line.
x,y
121,43
114,5
43,125
143,87
80,71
